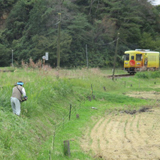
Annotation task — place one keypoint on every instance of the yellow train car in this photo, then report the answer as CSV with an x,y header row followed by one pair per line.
x,y
141,59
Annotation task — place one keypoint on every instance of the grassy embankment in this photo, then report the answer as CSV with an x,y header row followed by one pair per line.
x,y
44,123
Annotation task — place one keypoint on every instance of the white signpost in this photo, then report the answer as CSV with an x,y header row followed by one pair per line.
x,y
47,56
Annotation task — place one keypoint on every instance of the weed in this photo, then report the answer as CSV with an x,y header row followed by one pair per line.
x,y
147,75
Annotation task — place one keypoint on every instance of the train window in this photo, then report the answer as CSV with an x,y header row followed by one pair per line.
x,y
132,57
126,57
138,57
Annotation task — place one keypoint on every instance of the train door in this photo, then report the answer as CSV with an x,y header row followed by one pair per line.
x,y
126,61
139,58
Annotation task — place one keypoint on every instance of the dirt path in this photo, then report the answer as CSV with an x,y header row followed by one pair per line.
x,y
125,136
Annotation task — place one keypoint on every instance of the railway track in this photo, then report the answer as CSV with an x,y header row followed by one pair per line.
x,y
6,70
120,75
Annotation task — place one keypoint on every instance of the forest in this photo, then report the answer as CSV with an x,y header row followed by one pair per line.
x,y
74,30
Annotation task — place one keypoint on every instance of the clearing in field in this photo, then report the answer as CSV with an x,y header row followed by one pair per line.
x,y
123,135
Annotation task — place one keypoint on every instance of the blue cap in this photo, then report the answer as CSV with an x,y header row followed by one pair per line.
x,y
20,83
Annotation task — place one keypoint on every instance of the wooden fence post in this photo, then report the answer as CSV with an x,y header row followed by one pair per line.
x,y
70,111
66,148
93,96
77,116
92,89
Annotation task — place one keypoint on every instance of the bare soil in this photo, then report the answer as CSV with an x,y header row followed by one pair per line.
x,y
125,136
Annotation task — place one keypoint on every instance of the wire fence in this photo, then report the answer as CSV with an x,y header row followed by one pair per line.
x,y
73,110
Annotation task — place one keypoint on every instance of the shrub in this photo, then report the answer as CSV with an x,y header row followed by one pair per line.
x,y
142,75
148,74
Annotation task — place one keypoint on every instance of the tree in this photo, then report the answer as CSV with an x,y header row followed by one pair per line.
x,y
5,56
32,29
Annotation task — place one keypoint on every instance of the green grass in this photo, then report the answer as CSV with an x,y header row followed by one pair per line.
x,y
147,75
44,122
7,69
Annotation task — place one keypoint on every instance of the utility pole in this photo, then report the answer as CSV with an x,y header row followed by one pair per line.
x,y
87,56
58,42
12,57
115,57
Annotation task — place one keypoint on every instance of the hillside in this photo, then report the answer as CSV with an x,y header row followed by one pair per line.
x,y
74,31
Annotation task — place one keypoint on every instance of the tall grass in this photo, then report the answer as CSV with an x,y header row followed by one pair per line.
x,y
146,75
44,122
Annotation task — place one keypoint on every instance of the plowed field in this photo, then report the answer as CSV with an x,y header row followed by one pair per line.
x,y
125,136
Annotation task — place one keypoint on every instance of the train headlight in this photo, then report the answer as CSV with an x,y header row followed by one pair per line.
x,y
126,62
138,63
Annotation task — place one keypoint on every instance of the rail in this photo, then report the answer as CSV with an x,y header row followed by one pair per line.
x,y
120,75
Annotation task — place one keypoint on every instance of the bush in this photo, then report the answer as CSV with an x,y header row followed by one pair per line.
x,y
142,75
147,75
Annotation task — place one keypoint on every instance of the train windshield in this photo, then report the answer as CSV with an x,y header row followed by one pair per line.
x,y
138,57
126,57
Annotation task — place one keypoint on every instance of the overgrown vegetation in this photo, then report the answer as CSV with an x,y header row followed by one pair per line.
x,y
44,122
147,75
30,29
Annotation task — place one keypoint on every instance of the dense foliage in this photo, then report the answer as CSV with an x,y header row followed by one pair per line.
x,y
85,26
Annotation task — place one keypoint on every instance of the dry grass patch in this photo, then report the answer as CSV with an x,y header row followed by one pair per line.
x,y
145,95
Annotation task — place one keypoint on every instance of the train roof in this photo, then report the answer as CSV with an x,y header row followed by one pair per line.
x,y
142,51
